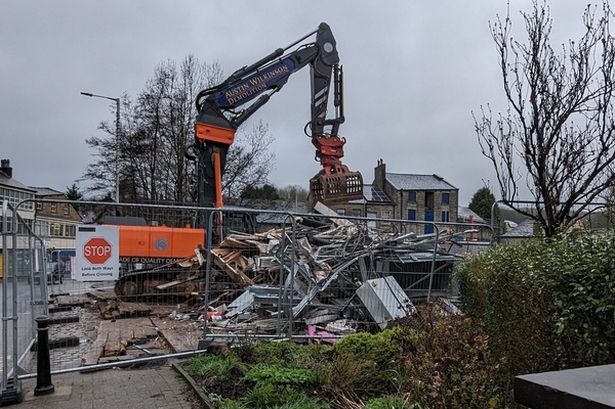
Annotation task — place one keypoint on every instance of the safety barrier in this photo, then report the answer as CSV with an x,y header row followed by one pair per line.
x,y
23,290
248,274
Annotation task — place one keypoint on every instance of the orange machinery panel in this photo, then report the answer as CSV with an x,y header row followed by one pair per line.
x,y
159,241
134,241
186,240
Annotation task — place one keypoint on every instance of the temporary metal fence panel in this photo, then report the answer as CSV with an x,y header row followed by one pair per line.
x,y
298,275
153,309
23,292
248,274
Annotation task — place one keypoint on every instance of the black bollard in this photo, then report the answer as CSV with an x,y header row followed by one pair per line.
x,y
43,367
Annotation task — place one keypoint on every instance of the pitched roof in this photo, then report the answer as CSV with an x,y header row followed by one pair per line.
x,y
45,191
372,194
15,184
402,181
465,213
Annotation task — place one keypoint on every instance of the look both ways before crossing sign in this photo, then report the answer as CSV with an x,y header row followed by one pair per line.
x,y
97,253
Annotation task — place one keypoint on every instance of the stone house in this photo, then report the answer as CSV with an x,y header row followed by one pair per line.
x,y
56,223
415,197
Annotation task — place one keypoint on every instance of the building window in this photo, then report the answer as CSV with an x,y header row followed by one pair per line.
x,y
386,214
445,198
429,201
54,208
444,216
341,212
411,214
66,210
412,196
69,230
356,212
55,229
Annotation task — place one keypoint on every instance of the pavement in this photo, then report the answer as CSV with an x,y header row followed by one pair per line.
x,y
157,387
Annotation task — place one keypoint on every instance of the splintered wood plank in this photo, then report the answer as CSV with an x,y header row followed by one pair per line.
x,y
234,242
180,335
234,273
114,309
134,309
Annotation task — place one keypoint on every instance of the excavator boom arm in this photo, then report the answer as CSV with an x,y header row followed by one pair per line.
x,y
224,108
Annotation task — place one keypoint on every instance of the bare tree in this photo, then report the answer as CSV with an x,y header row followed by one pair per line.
x,y
248,161
557,132
155,131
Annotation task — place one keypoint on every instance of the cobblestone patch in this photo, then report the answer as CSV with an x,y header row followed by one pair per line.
x,y
85,330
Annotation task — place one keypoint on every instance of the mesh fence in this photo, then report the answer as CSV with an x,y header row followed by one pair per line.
x,y
315,276
246,274
23,289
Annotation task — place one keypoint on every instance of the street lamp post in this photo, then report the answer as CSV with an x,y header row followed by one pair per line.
x,y
117,140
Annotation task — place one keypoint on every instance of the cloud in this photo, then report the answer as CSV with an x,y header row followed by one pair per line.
x,y
414,71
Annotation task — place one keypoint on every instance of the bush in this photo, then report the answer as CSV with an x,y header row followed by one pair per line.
x,y
280,375
230,404
546,304
219,367
273,396
283,353
383,347
452,365
389,402
366,365
219,374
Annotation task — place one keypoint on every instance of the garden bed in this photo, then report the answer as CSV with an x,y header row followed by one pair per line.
x,y
429,360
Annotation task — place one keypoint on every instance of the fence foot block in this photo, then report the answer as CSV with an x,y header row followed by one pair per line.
x,y
12,393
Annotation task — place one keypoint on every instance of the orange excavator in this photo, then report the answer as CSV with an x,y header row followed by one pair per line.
x,y
222,109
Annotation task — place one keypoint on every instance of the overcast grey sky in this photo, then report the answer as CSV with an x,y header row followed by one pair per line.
x,y
414,71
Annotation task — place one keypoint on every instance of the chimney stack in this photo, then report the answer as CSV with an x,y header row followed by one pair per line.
x,y
5,167
380,174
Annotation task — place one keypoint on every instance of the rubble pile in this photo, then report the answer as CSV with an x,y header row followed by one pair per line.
x,y
326,276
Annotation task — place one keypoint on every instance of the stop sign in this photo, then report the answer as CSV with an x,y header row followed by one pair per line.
x,y
97,250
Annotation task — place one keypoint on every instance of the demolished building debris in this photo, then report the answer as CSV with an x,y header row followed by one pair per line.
x,y
315,273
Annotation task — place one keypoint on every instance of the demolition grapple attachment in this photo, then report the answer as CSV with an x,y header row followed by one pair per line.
x,y
335,188
335,183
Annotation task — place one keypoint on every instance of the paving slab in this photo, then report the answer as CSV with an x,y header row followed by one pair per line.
x,y
158,387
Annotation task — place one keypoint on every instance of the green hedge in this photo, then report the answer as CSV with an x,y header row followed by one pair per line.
x,y
545,304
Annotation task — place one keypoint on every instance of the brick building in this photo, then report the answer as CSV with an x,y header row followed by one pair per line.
x,y
407,197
